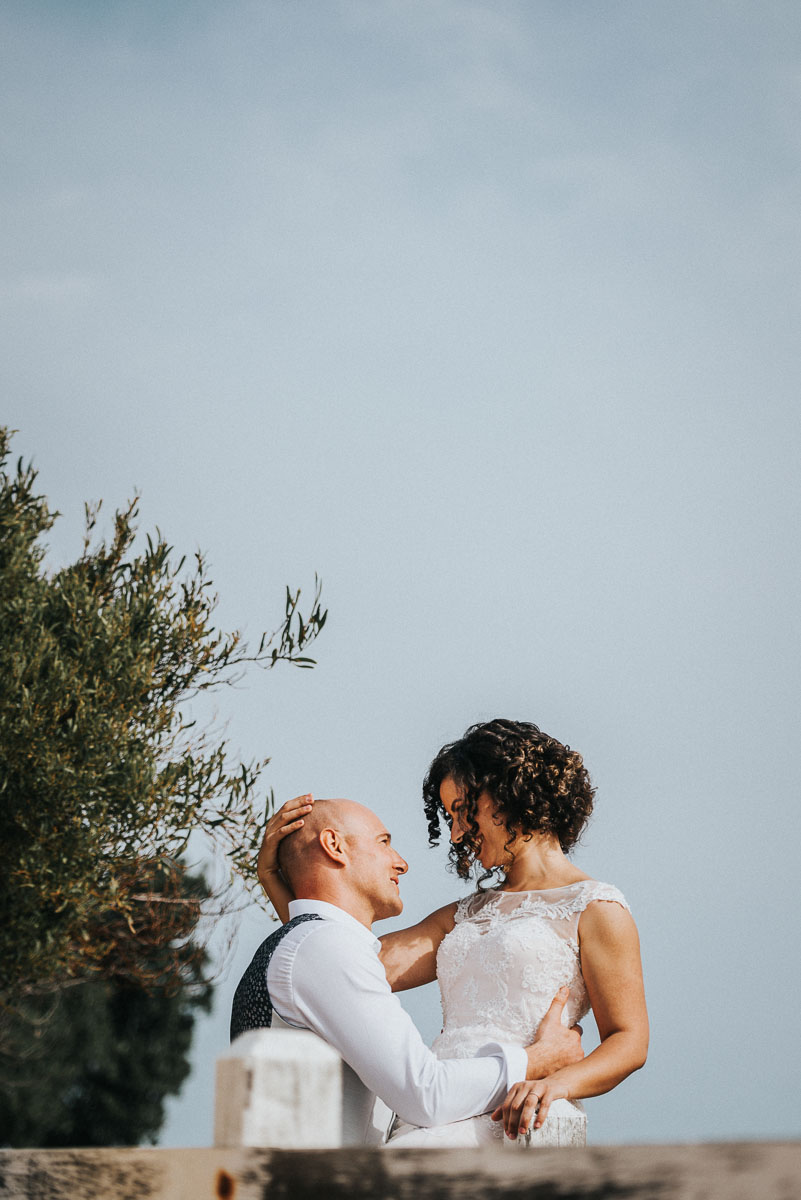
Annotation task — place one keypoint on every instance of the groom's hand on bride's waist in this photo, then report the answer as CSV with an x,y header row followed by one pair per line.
x,y
555,1045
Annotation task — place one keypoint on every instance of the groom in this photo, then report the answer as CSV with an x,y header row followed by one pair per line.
x,y
321,971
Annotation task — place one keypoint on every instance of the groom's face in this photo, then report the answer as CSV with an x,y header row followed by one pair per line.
x,y
375,866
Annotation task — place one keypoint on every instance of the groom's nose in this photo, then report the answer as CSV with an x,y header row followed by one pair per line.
x,y
401,865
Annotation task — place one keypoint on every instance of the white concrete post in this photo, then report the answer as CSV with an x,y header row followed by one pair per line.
x,y
279,1087
565,1125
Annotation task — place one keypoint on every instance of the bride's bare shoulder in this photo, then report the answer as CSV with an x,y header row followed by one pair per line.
x,y
444,918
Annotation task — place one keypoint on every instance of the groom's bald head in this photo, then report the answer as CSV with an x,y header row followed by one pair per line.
x,y
300,852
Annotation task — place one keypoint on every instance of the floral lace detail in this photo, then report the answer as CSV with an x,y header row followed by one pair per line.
x,y
506,958
553,904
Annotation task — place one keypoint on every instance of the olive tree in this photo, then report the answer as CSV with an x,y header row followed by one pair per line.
x,y
103,771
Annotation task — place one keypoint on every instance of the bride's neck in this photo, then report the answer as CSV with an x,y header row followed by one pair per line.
x,y
538,864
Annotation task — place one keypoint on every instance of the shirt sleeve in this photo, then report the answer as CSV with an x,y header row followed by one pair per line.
x,y
340,991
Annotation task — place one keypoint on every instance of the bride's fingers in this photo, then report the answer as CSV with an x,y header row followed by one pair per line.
x,y
285,829
514,1121
512,1107
287,819
499,1114
297,804
528,1112
511,1123
542,1112
287,815
293,820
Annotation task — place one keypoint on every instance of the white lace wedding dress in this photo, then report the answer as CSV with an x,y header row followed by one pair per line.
x,y
498,970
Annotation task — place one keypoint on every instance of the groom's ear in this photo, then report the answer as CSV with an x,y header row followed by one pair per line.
x,y
332,844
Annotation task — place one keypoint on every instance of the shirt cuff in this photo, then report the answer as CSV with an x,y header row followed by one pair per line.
x,y
514,1058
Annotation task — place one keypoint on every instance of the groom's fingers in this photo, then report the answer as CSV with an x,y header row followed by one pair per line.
x,y
552,1023
554,1013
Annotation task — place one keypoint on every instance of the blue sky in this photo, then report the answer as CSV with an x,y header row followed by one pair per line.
x,y
488,313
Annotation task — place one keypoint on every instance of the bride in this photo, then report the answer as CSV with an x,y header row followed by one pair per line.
x,y
514,801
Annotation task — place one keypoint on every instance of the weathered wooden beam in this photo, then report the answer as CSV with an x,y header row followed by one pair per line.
x,y
721,1171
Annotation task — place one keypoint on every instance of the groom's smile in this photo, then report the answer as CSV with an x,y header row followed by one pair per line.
x,y
376,864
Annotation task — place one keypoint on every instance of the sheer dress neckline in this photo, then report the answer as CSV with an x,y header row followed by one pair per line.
x,y
537,891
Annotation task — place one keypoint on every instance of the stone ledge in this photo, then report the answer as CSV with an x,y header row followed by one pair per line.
x,y
718,1171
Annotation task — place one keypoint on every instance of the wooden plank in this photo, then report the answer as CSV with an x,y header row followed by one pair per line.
x,y
722,1171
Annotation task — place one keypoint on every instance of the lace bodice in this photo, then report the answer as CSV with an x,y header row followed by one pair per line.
x,y
505,959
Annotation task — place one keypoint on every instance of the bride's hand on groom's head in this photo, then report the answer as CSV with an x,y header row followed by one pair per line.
x,y
555,1045
287,819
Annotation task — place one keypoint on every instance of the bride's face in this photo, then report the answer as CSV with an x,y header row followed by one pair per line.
x,y
493,833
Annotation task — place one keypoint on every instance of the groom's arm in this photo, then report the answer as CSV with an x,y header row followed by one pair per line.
x,y
336,986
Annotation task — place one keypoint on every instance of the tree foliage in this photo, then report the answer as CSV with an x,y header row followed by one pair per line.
x,y
92,1063
103,772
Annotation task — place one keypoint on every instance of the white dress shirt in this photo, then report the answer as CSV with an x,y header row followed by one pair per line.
x,y
326,976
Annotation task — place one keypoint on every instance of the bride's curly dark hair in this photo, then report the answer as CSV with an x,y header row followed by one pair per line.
x,y
536,784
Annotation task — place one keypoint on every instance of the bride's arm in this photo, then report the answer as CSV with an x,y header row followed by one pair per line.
x,y
287,819
409,956
612,970
610,964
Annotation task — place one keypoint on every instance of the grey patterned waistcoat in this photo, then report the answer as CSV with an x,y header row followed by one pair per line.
x,y
252,1007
